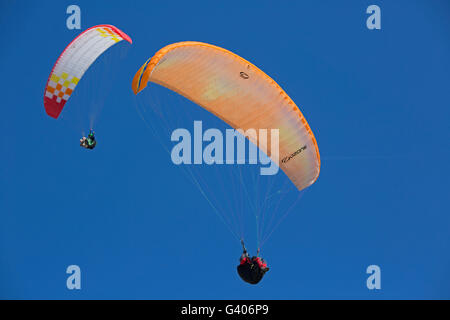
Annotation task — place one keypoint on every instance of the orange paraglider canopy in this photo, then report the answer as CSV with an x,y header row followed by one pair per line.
x,y
240,94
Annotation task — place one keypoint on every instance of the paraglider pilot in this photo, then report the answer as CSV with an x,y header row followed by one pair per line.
x,y
251,270
89,142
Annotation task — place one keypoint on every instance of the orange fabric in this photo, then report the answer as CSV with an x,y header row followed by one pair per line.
x,y
240,94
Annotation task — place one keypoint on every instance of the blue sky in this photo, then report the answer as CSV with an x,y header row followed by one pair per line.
x,y
377,101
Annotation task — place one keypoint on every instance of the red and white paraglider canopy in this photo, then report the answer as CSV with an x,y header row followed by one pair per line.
x,y
73,62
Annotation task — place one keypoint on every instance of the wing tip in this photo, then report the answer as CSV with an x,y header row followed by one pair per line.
x,y
52,108
119,32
